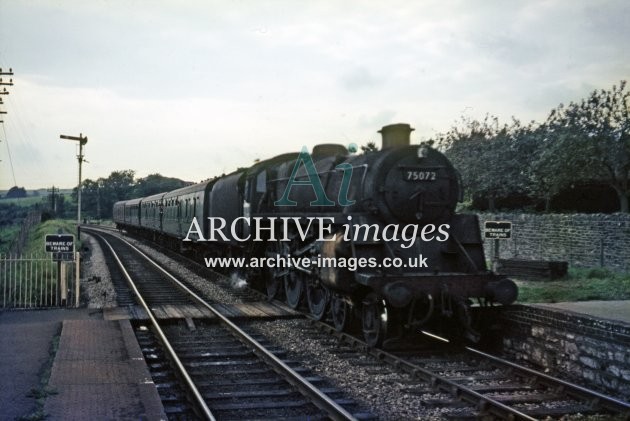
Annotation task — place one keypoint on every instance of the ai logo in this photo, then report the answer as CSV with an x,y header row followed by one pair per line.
x,y
316,183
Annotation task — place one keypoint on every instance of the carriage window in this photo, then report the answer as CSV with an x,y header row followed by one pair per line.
x,y
261,182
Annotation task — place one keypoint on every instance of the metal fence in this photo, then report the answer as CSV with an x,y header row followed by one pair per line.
x,y
38,281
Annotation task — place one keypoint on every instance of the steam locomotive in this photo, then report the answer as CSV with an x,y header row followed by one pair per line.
x,y
370,240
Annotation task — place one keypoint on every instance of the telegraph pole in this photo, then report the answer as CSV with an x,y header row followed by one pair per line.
x,y
98,201
4,90
82,141
54,193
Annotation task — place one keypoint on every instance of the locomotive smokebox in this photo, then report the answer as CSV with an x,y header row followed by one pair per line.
x,y
396,135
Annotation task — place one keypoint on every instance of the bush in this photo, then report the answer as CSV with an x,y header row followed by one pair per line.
x,y
599,273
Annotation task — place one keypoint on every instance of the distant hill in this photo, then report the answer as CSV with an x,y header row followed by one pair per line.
x,y
36,192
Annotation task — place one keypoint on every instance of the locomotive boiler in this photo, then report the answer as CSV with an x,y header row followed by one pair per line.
x,y
367,240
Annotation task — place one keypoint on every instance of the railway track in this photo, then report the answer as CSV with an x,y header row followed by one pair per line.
x,y
477,384
216,370
472,384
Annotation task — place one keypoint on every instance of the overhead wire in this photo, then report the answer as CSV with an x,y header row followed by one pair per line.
x,y
6,140
18,128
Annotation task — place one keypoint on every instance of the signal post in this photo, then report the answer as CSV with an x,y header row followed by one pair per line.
x,y
82,141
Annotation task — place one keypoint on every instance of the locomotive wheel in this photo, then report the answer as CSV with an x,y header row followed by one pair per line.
x,y
274,283
317,296
341,313
294,288
374,320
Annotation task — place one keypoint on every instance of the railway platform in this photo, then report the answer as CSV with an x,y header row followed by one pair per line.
x,y
97,372
613,311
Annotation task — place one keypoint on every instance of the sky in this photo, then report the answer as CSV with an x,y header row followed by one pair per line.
x,y
194,89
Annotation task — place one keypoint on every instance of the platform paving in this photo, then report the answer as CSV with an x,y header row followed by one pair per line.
x,y
98,371
616,311
25,343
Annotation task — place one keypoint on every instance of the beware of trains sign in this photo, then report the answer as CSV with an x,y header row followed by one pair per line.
x,y
61,246
498,230
59,243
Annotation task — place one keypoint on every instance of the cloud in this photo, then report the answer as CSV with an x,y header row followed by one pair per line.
x,y
197,89
377,120
360,78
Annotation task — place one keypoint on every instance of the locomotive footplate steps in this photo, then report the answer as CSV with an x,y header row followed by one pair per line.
x,y
259,310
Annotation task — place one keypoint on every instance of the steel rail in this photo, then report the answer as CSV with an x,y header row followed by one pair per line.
x,y
199,400
486,405
318,398
595,399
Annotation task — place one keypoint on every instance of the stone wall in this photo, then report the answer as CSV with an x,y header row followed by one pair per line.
x,y
570,346
582,240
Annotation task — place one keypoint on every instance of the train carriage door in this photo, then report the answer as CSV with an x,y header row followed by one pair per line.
x,y
160,214
179,216
154,215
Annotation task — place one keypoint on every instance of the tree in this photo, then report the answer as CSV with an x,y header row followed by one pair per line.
x,y
590,140
369,147
490,157
16,192
531,146
157,183
99,196
90,195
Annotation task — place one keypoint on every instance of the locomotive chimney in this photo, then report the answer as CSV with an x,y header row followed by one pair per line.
x,y
396,135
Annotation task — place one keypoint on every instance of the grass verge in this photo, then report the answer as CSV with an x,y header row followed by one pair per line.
x,y
579,285
7,234
37,236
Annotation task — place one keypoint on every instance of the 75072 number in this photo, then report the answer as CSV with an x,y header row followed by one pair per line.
x,y
417,175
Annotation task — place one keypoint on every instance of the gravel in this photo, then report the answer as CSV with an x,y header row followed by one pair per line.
x,y
207,285
96,283
101,294
384,392
374,385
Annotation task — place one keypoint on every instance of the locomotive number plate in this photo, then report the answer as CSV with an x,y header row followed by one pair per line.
x,y
419,175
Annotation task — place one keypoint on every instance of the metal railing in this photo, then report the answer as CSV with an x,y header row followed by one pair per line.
x,y
37,281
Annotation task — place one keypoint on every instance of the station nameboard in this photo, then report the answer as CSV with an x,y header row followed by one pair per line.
x,y
59,243
498,230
